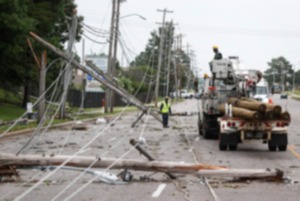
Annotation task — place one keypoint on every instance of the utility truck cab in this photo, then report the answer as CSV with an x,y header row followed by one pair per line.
x,y
262,92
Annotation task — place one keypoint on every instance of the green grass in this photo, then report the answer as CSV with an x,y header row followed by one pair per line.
x,y
9,97
297,92
10,112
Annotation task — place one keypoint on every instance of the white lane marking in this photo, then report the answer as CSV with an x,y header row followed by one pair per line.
x,y
159,190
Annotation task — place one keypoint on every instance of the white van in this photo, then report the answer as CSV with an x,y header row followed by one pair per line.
x,y
262,92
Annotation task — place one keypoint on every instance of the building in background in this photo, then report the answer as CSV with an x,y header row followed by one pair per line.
x,y
100,61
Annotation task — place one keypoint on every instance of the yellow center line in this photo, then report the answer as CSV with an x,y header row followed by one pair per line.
x,y
292,149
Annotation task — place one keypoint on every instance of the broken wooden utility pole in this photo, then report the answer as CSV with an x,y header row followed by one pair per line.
x,y
157,166
41,66
147,155
115,88
138,119
161,44
42,87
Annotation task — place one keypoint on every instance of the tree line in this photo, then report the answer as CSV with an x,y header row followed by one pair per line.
x,y
50,20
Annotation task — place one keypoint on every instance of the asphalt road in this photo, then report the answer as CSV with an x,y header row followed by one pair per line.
x,y
179,143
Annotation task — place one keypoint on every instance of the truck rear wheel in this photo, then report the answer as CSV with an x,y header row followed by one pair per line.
x,y
282,147
222,142
233,147
278,140
200,125
272,147
210,126
222,147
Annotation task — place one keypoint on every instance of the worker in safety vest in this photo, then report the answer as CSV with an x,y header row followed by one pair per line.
x,y
165,110
218,54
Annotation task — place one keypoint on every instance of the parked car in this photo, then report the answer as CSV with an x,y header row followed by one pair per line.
x,y
184,94
199,94
283,95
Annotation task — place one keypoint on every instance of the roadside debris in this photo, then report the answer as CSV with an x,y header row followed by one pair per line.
x,y
100,121
79,125
8,173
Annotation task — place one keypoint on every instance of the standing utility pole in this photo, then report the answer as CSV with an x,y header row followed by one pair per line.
x,y
84,76
282,76
189,68
110,53
169,57
162,35
179,66
68,69
114,59
42,86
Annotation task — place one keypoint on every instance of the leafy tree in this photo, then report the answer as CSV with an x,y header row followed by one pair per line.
x,y
140,77
149,57
280,71
50,20
15,25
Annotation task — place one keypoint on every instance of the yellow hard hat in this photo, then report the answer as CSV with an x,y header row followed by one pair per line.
x,y
215,47
167,97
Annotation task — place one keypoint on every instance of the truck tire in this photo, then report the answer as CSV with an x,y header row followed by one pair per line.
x,y
278,140
223,147
210,127
222,143
272,147
232,147
200,127
205,133
203,126
282,147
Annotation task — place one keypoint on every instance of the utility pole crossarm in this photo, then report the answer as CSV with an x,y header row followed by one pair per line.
x,y
94,74
165,10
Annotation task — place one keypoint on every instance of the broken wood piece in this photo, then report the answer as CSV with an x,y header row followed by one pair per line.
x,y
179,114
138,119
147,155
244,173
8,171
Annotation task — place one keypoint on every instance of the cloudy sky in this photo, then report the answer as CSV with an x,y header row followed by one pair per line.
x,y
254,30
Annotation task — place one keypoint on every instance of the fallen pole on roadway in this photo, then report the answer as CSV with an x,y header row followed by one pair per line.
x,y
157,166
147,155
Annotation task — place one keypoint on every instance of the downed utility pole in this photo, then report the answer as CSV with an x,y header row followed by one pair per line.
x,y
147,155
157,166
112,81
117,89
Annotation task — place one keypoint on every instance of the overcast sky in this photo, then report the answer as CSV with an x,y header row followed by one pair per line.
x,y
254,30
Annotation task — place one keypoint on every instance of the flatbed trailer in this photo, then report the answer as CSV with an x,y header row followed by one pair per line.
x,y
236,130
